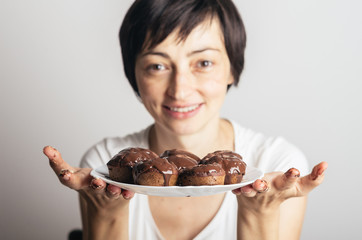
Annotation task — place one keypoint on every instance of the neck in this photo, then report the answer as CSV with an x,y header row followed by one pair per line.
x,y
215,135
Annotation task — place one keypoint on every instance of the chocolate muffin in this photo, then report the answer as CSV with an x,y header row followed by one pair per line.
x,y
182,159
208,174
155,172
121,165
231,162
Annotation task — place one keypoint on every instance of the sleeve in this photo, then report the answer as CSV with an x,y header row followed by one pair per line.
x,y
277,154
103,151
96,156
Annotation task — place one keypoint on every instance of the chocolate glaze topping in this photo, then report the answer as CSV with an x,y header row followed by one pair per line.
x,y
226,154
213,169
173,152
182,159
130,156
157,164
174,162
231,162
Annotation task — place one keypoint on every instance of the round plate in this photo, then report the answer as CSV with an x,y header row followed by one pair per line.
x,y
251,174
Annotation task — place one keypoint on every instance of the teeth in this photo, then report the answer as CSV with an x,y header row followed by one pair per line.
x,y
184,109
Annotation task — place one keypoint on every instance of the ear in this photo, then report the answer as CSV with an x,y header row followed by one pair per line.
x,y
230,79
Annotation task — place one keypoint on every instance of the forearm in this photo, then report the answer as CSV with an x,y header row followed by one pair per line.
x,y
98,224
108,228
273,208
257,225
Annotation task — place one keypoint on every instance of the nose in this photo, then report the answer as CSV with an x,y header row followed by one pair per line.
x,y
180,85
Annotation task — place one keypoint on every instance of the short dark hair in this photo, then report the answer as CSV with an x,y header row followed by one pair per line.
x,y
154,20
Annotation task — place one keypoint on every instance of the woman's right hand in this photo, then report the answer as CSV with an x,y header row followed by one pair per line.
x,y
101,198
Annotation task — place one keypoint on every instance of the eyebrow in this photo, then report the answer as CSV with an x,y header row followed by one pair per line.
x,y
202,50
165,55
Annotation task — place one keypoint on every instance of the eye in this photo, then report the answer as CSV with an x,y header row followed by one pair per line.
x,y
204,64
156,67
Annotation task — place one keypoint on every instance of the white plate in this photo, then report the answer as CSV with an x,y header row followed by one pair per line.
x,y
251,174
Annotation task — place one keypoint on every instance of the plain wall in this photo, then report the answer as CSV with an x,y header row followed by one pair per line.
x,y
62,84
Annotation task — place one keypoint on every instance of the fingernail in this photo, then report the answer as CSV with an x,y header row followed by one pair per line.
x,y
315,174
246,191
320,172
266,187
236,191
293,172
264,184
126,196
94,185
112,192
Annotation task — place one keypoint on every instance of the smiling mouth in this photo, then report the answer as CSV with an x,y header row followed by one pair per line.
x,y
184,109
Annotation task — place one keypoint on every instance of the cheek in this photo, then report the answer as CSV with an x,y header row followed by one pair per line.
x,y
150,88
147,92
215,86
151,92
214,90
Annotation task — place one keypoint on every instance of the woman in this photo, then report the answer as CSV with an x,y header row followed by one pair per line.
x,y
181,57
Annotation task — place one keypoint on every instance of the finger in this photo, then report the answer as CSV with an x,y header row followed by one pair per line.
x,y
56,161
236,191
318,171
67,175
113,192
314,179
261,185
287,180
78,180
127,194
247,191
98,185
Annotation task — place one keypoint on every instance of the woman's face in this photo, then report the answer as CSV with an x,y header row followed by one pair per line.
x,y
183,83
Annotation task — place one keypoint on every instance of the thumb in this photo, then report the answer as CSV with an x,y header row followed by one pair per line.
x,y
312,180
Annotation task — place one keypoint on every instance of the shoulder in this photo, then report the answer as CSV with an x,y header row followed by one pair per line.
x,y
268,153
100,153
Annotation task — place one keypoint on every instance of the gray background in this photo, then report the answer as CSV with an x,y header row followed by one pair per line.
x,y
62,84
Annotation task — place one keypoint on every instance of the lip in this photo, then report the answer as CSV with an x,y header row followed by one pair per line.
x,y
182,111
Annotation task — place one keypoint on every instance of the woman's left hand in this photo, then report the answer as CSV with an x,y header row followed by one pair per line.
x,y
268,193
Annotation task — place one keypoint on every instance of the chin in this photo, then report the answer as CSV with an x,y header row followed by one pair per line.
x,y
183,127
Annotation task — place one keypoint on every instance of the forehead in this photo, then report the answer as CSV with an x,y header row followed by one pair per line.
x,y
206,33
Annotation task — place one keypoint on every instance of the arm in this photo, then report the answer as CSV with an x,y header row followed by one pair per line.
x,y
284,223
291,218
274,208
83,212
104,211
102,225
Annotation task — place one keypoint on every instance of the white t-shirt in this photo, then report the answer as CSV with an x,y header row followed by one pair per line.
x,y
266,153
